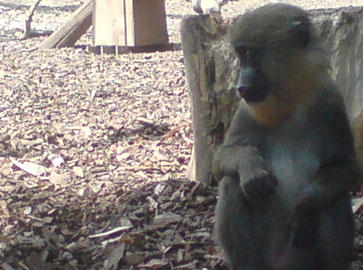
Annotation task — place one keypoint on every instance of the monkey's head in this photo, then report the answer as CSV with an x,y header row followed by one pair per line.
x,y
281,61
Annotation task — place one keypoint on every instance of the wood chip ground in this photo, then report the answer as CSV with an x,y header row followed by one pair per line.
x,y
93,153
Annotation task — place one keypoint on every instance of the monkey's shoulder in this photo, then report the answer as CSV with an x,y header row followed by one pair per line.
x,y
244,129
329,109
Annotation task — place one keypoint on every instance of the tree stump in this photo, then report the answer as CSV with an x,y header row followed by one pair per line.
x,y
212,66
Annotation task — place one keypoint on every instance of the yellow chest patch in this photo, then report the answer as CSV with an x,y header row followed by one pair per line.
x,y
276,109
270,112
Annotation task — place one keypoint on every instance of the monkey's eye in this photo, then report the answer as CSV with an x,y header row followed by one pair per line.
x,y
248,55
242,51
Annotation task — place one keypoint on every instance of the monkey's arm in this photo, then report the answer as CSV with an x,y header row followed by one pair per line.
x,y
337,175
239,157
246,163
339,169
332,181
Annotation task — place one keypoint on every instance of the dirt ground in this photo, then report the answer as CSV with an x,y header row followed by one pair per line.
x,y
93,152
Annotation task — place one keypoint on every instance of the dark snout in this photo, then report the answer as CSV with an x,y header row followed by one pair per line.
x,y
252,85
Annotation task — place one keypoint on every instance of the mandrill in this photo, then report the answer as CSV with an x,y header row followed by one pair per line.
x,y
288,162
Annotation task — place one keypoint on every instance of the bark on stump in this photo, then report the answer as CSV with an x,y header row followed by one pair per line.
x,y
212,66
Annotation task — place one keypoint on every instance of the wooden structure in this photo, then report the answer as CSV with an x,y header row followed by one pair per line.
x,y
125,23
129,22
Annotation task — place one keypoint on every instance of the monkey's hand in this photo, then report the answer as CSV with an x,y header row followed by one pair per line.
x,y
258,187
246,163
304,231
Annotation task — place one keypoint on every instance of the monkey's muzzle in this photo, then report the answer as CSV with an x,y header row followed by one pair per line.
x,y
252,94
252,86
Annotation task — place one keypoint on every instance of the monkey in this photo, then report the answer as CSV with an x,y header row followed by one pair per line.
x,y
287,162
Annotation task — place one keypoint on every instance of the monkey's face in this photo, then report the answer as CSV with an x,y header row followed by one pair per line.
x,y
252,84
272,43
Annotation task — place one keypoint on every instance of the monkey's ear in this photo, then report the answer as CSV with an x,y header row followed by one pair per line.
x,y
301,32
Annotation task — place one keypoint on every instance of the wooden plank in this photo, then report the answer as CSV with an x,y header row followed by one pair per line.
x,y
76,26
117,50
150,22
130,22
109,22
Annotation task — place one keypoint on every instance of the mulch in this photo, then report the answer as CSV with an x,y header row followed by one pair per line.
x,y
93,154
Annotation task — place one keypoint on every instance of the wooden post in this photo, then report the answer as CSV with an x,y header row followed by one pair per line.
x,y
68,34
109,22
129,23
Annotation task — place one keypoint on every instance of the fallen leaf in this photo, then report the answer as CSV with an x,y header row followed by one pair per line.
x,y
113,259
29,167
166,218
78,171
